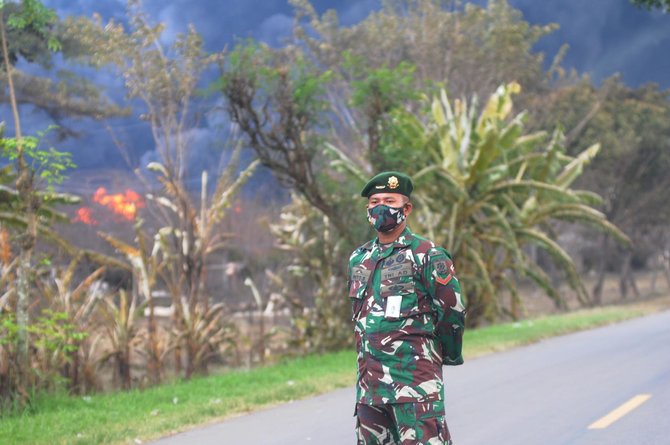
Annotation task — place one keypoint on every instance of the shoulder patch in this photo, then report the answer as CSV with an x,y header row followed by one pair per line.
x,y
441,266
444,281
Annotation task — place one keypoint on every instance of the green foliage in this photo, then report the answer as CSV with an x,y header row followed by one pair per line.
x,y
204,332
298,82
33,14
48,164
31,28
383,88
34,34
485,189
77,303
174,253
320,317
633,127
468,48
663,5
377,93
122,333
55,334
54,339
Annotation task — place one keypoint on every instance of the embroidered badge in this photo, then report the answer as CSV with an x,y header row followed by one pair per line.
x,y
441,267
393,183
444,281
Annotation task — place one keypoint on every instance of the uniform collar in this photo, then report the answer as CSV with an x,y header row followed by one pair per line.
x,y
404,240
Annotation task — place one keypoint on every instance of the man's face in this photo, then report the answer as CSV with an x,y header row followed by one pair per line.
x,y
390,199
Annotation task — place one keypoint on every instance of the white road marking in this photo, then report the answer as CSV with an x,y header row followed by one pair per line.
x,y
619,412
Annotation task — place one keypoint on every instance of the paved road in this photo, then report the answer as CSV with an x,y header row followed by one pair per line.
x,y
548,393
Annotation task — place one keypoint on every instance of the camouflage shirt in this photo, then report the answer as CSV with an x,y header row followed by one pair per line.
x,y
409,319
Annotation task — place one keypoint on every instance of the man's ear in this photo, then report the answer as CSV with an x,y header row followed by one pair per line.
x,y
408,207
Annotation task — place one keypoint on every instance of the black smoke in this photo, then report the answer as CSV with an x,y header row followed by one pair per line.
x,y
604,37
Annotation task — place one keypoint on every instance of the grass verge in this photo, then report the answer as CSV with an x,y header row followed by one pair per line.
x,y
138,416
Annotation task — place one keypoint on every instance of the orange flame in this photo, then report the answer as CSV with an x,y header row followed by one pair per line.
x,y
5,247
123,204
85,215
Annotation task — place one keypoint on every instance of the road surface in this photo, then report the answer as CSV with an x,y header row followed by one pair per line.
x,y
605,386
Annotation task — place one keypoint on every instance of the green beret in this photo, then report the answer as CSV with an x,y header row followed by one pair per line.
x,y
388,182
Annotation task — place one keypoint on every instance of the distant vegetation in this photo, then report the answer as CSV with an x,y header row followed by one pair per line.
x,y
528,174
663,5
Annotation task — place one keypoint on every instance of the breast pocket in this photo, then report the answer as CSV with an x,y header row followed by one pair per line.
x,y
398,292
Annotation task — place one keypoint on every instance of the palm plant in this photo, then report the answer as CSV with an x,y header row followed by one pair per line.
x,y
486,190
145,268
77,302
186,241
203,333
166,79
123,334
316,254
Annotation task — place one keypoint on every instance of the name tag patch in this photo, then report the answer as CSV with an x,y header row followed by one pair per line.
x,y
360,274
397,271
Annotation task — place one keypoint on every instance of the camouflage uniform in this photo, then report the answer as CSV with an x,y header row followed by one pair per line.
x,y
409,321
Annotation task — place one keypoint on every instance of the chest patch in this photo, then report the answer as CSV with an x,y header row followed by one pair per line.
x,y
397,288
360,274
392,270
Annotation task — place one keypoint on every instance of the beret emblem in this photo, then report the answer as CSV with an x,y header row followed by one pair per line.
x,y
393,182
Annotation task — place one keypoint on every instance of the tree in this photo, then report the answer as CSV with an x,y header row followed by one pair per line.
x,y
633,127
341,102
284,100
29,205
277,101
663,5
22,151
486,189
34,35
469,50
166,79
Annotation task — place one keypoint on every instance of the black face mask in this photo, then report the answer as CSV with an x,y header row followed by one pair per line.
x,y
384,218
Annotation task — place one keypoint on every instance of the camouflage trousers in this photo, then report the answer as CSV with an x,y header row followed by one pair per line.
x,y
402,424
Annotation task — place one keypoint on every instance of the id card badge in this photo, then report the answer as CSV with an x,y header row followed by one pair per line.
x,y
393,306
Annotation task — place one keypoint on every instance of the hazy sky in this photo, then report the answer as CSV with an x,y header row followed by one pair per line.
x,y
605,37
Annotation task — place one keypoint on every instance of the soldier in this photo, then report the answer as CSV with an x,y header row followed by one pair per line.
x,y
409,321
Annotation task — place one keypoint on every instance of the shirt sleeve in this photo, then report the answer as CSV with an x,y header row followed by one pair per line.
x,y
446,304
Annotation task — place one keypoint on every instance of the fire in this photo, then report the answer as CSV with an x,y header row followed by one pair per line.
x,y
5,248
124,205
85,215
